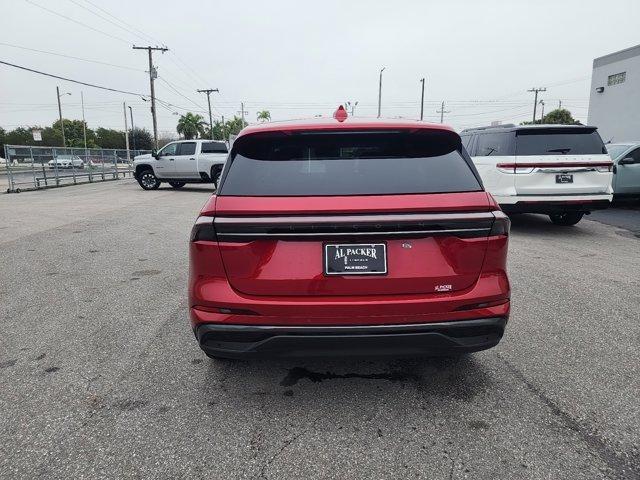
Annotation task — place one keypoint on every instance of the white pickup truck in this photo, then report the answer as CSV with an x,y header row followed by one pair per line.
x,y
181,162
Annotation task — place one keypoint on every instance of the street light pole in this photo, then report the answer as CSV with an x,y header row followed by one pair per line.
x,y
84,123
64,141
422,101
133,135
380,92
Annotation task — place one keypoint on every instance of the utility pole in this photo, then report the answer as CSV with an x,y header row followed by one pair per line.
x,y
535,99
133,135
208,91
126,130
422,101
64,141
242,113
380,92
559,104
84,124
224,133
442,111
153,74
542,116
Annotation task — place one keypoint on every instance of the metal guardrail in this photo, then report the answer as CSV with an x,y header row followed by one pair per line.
x,y
32,168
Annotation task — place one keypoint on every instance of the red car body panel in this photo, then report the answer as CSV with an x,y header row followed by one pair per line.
x,y
281,282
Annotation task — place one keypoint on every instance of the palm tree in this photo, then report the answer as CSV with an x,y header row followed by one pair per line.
x,y
191,126
264,116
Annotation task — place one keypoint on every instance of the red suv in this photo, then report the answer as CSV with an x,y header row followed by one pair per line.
x,y
348,237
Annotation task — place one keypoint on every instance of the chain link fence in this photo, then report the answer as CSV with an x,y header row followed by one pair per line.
x,y
31,168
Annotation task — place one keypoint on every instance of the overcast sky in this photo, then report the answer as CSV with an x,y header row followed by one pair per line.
x,y
299,59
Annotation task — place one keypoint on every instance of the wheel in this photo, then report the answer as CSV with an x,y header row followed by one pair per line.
x,y
177,184
566,219
148,180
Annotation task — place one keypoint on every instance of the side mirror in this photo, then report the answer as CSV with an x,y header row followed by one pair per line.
x,y
154,154
627,161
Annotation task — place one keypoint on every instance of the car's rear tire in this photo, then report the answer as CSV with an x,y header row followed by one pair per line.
x,y
177,184
566,219
148,180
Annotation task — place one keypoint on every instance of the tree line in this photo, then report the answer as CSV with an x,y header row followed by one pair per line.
x,y
189,126
74,136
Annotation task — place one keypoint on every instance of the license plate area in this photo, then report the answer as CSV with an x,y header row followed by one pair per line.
x,y
355,259
564,178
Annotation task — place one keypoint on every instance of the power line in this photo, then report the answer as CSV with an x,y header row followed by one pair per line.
x,y
154,40
53,12
72,57
183,96
71,80
107,20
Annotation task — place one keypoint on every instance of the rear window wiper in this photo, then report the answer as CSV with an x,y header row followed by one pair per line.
x,y
491,150
563,151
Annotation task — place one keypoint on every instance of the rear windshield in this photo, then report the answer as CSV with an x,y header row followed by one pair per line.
x,y
561,141
214,147
348,163
614,150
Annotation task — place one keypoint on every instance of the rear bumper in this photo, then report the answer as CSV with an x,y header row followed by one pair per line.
x,y
555,204
442,338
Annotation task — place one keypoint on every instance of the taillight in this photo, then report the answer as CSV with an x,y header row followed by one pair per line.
x,y
506,167
513,168
203,229
501,224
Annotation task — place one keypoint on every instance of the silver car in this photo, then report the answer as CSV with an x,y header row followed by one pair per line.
x,y
66,161
626,169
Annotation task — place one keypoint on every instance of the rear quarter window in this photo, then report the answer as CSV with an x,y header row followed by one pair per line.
x,y
495,144
348,163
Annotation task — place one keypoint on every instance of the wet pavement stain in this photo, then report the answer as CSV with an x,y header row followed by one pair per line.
x,y
298,373
142,273
7,363
52,369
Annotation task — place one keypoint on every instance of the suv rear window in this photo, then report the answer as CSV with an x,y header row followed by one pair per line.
x,y
559,141
348,163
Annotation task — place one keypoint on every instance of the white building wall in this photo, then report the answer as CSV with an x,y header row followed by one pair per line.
x,y
616,111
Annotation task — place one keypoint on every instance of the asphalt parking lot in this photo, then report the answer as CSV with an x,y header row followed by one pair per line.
x,y
100,375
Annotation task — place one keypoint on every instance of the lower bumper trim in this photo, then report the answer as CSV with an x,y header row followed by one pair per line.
x,y
442,338
558,206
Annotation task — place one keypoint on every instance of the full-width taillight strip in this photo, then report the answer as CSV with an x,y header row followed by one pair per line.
x,y
475,224
555,165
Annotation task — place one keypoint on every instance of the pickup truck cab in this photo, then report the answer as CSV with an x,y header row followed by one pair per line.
x,y
181,162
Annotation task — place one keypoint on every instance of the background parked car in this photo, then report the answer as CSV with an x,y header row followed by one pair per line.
x,y
559,170
626,170
66,161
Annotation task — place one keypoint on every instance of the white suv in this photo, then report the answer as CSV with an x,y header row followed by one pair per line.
x,y
559,170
